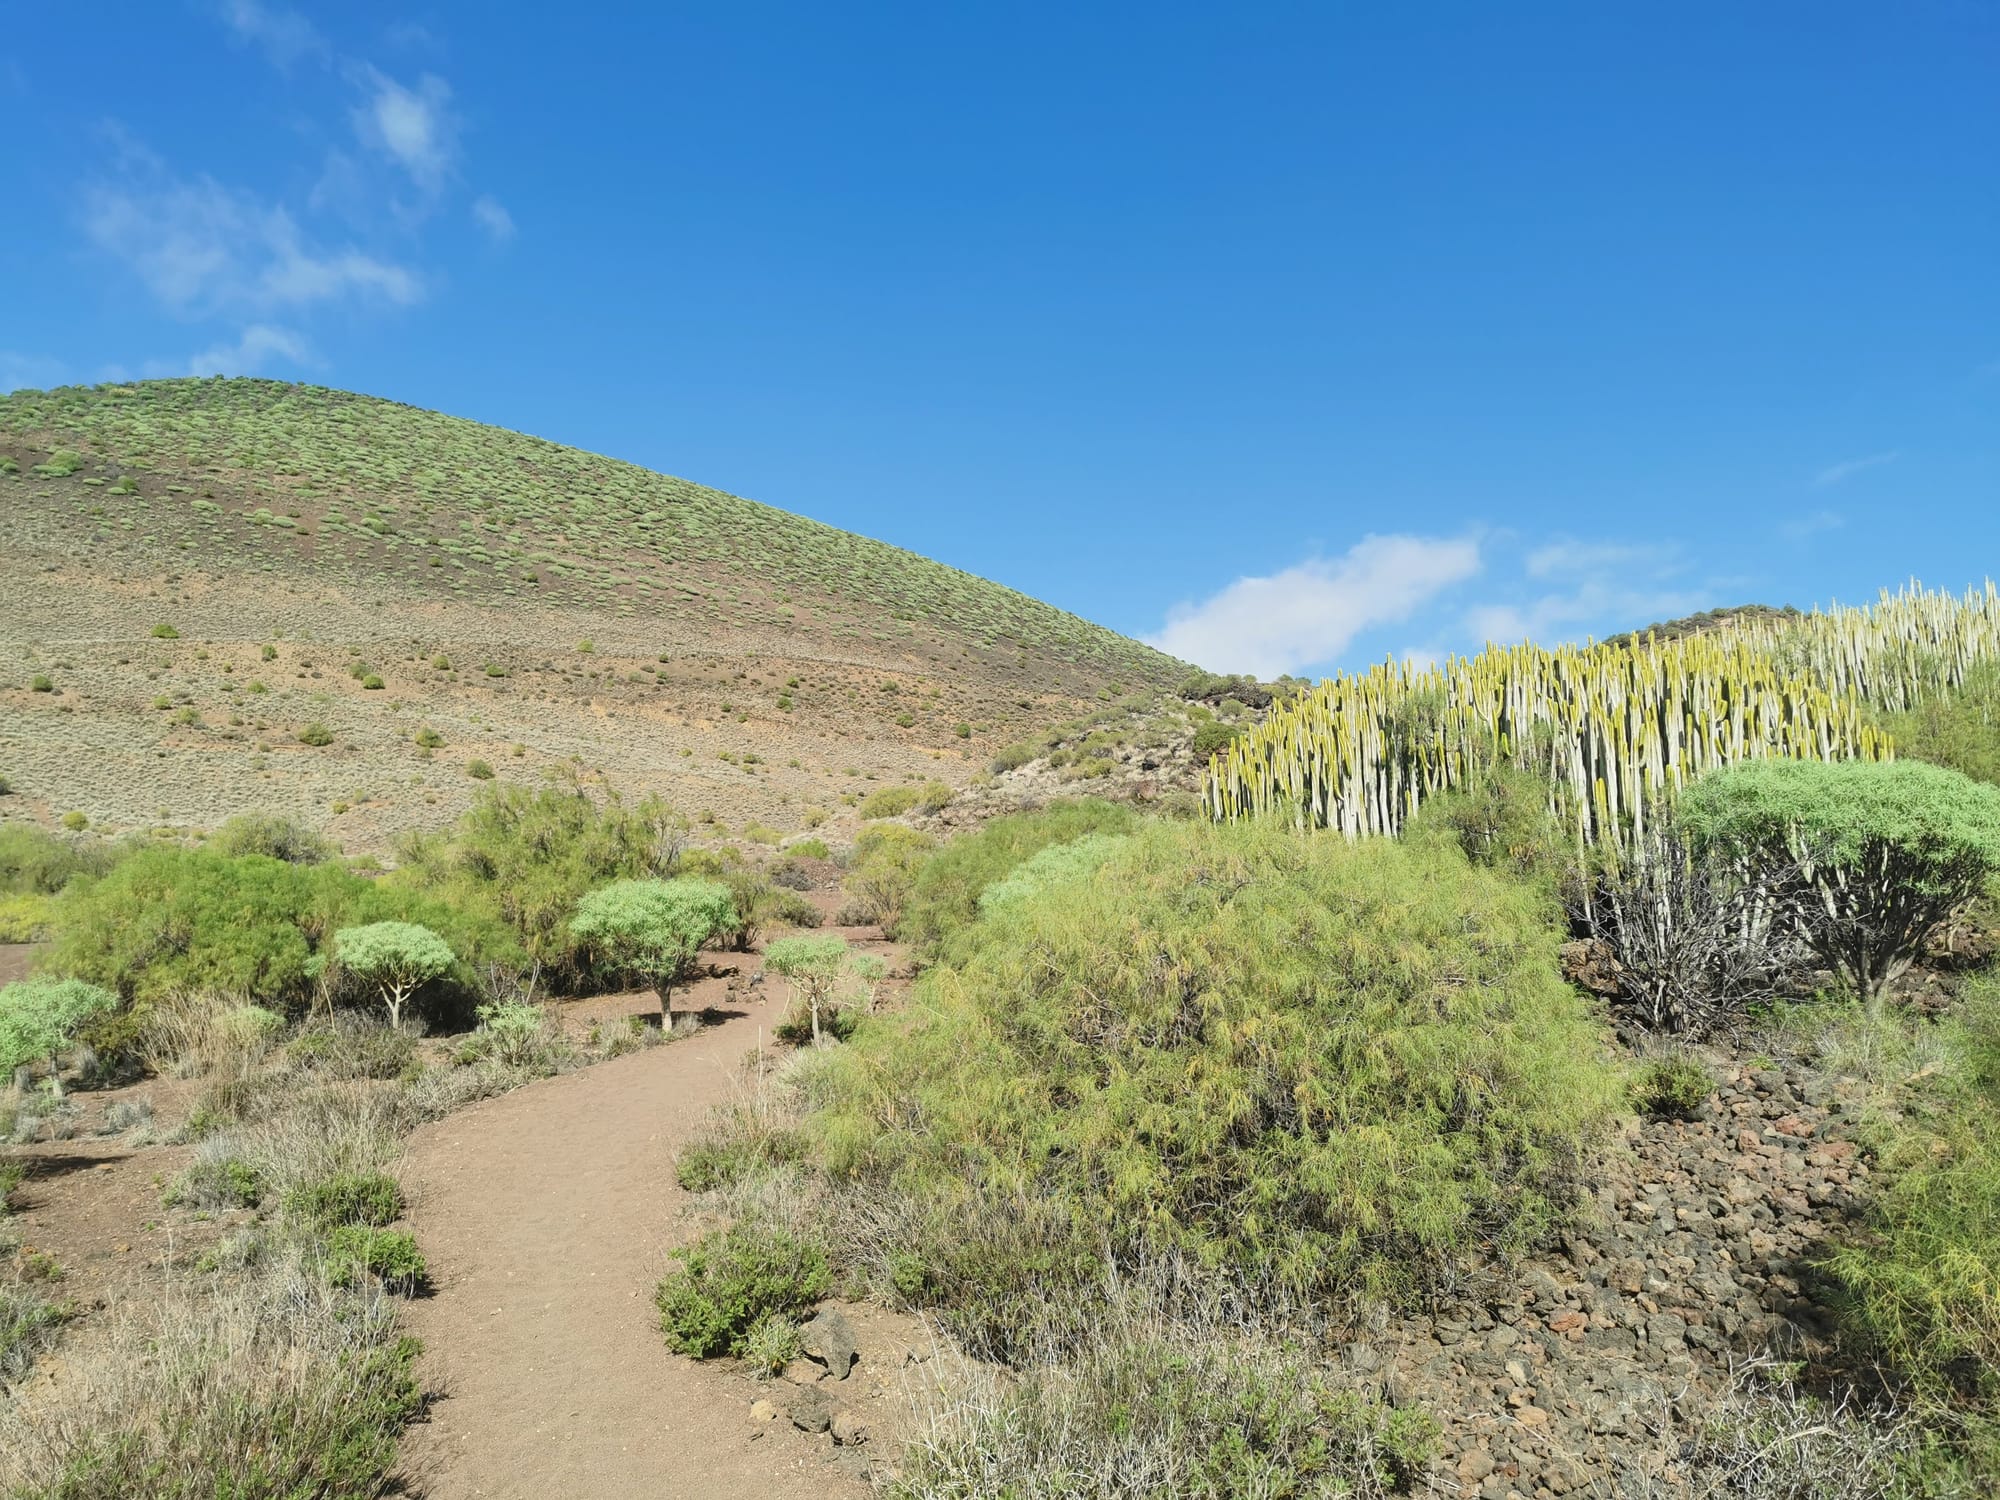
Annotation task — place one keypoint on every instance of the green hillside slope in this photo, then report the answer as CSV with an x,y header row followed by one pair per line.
x,y
257,474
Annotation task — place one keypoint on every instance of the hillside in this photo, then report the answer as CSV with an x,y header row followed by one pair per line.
x,y
525,603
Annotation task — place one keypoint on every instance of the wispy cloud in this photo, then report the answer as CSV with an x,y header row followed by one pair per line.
x,y
205,250
253,350
1568,558
414,127
279,32
1310,612
1801,528
1837,473
21,372
491,215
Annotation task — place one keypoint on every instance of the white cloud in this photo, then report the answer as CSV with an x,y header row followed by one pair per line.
x,y
1800,528
413,127
1835,473
1596,606
202,249
281,33
1567,558
24,372
493,217
1309,613
253,349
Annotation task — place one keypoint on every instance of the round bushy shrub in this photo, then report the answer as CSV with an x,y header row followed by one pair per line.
x,y
1884,851
1300,1063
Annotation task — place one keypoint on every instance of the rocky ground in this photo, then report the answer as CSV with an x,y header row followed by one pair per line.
x,y
1566,1377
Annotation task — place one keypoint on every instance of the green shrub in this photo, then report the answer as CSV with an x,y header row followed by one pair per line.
x,y
945,895
654,928
525,856
1213,738
33,860
1921,1276
75,820
1013,757
216,1182
1887,850
428,738
61,464
350,1048
1056,865
1672,1086
1958,730
731,1281
24,918
39,1016
368,1198
269,834
168,919
772,1344
808,849
316,734
1213,1417
398,958
41,683
759,901
391,1254
883,872
1501,819
28,1324
889,802
165,632
479,770
1308,1065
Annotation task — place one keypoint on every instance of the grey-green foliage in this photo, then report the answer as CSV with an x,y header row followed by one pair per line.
x,y
1885,851
39,1016
655,927
1056,865
398,958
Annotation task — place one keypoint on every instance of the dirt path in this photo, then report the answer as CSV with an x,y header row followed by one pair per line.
x,y
546,1216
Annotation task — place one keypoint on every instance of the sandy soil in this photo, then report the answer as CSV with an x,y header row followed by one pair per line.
x,y
547,1216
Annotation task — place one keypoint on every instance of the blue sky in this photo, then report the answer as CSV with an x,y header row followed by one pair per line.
x,y
1288,336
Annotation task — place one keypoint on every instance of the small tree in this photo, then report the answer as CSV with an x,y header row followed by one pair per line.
x,y
655,927
815,966
1885,852
398,958
39,1016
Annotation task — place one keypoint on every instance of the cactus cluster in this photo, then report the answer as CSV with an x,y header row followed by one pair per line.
x,y
1613,727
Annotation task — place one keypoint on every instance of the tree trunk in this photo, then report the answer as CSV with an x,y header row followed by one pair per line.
x,y
665,992
815,1010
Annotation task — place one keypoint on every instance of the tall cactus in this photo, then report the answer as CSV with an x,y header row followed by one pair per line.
x,y
1612,727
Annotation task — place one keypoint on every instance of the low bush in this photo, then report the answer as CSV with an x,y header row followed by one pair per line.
x,y
169,920
1885,852
34,861
217,1178
350,1046
1310,1066
1213,738
24,918
524,857
1921,1277
944,897
368,1198
268,834
28,1324
1672,1086
1152,1410
1500,819
277,1385
391,1255
1958,730
889,802
881,874
731,1281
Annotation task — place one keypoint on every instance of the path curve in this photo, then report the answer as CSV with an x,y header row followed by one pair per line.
x,y
546,1216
